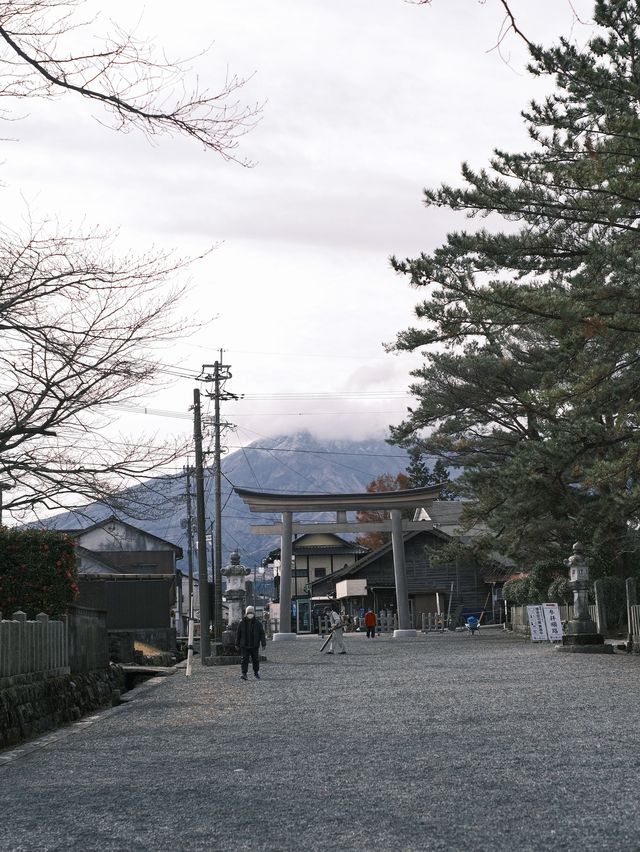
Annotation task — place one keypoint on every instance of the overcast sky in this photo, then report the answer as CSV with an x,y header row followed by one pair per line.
x,y
365,103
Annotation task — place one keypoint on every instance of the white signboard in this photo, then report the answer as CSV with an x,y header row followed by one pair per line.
x,y
537,623
544,622
552,621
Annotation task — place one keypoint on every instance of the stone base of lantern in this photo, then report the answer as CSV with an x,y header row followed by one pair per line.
x,y
584,643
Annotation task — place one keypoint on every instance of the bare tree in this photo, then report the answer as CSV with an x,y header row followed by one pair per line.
x,y
135,84
80,327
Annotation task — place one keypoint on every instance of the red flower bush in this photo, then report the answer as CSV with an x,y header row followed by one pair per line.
x,y
38,572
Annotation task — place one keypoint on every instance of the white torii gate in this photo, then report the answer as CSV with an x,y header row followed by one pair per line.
x,y
392,501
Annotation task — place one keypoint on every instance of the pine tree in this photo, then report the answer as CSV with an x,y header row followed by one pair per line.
x,y
421,473
530,382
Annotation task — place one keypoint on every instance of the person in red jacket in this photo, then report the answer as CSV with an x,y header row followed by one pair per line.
x,y
370,621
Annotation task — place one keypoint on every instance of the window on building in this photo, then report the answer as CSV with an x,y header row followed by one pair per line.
x,y
320,572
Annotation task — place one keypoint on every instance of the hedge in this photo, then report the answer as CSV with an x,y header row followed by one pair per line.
x,y
38,572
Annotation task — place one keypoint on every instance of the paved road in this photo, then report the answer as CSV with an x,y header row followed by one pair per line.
x,y
445,743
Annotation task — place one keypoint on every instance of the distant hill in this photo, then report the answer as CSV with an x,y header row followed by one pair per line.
x,y
297,463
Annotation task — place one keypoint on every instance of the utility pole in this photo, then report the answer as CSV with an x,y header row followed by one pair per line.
x,y
217,500
213,564
203,578
189,538
221,372
191,610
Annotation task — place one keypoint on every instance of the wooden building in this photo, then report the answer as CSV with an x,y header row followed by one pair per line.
x,y
131,575
455,587
116,547
320,555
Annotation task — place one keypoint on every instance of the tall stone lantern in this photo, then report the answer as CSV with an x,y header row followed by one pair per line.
x,y
235,594
581,632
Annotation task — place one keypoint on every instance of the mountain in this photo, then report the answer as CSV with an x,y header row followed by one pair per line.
x,y
296,463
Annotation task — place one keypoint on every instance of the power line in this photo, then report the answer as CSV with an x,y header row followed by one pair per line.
x,y
314,413
159,412
339,356
178,415
278,395
324,396
322,452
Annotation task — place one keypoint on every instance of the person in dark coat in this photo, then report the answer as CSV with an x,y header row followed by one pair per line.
x,y
249,637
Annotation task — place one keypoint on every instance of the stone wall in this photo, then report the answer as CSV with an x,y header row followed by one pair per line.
x,y
31,704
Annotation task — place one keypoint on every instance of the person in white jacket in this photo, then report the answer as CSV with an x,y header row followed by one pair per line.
x,y
337,628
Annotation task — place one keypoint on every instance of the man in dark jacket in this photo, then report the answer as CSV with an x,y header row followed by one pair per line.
x,y
249,637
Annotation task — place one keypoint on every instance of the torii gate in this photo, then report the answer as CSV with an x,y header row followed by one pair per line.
x,y
391,501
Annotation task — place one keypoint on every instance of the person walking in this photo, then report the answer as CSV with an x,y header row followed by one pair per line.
x,y
337,628
370,622
249,638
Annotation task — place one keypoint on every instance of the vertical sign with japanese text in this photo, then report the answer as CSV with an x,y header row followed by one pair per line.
x,y
552,620
544,622
537,623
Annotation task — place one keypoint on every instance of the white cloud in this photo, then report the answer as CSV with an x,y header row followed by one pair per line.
x,y
366,103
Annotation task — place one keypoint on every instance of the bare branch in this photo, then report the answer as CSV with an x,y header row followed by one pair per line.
x,y
509,23
78,330
512,24
138,89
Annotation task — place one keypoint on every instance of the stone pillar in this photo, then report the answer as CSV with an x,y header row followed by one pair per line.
x,y
43,638
20,621
581,633
404,630
284,631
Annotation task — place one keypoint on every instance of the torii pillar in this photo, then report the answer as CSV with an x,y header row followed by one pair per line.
x,y
285,632
404,631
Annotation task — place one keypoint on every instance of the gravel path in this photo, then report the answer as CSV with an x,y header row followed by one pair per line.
x,y
448,742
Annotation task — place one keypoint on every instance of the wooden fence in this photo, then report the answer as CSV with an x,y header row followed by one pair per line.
x,y
432,621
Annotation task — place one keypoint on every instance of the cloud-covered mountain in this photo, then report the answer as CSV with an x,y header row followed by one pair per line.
x,y
295,463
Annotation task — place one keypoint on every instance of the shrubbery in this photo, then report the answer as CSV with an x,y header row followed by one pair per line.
x,y
540,587
37,572
544,583
516,592
559,591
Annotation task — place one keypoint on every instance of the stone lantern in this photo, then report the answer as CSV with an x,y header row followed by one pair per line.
x,y
235,594
581,632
